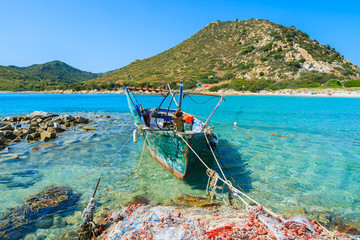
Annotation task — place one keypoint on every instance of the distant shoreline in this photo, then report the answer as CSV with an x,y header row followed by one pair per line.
x,y
284,92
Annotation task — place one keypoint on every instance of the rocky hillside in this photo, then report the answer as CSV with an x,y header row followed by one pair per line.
x,y
41,76
243,51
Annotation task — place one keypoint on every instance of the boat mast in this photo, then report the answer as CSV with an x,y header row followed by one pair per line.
x,y
180,96
212,113
177,117
172,94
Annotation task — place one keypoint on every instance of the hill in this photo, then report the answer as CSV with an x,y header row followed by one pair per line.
x,y
53,74
245,52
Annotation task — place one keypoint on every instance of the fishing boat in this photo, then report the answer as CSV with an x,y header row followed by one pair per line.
x,y
173,137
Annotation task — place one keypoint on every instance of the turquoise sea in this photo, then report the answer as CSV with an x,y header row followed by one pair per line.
x,y
295,155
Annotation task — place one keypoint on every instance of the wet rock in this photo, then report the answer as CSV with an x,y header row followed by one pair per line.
x,y
25,122
47,144
88,128
80,119
35,149
6,126
58,127
42,126
107,116
35,135
2,146
17,133
13,119
10,156
46,136
33,125
11,136
6,119
28,137
41,114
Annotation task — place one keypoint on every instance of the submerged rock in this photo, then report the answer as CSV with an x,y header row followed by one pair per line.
x,y
19,221
88,128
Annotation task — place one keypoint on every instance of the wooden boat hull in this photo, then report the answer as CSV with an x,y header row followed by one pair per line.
x,y
172,152
167,147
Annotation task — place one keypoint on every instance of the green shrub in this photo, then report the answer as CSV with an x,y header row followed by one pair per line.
x,y
267,47
294,64
278,55
228,75
249,49
333,83
261,74
352,83
214,88
320,78
190,84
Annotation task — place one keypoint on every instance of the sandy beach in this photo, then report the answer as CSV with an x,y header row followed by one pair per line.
x,y
331,92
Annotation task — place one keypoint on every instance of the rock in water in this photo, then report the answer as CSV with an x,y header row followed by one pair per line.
x,y
19,221
88,128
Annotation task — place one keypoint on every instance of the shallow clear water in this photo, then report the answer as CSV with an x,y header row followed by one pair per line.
x,y
314,170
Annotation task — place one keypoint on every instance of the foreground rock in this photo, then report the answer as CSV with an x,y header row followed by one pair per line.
x,y
37,126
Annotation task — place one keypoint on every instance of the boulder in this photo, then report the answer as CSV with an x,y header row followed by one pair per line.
x,y
88,128
39,120
13,119
25,122
5,126
33,125
17,132
35,135
29,137
11,136
43,125
69,124
58,127
66,118
1,146
46,136
80,119
40,114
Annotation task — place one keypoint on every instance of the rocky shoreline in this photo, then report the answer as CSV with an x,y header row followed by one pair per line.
x,y
37,126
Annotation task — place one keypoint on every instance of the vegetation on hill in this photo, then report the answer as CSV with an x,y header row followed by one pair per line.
x,y
249,53
49,75
242,55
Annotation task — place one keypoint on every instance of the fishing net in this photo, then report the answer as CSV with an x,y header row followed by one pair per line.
x,y
159,222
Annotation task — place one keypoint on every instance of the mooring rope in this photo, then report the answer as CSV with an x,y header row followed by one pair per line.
x,y
142,155
102,164
217,162
226,182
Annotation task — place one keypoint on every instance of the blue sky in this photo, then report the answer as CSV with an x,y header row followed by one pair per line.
x,y
99,36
